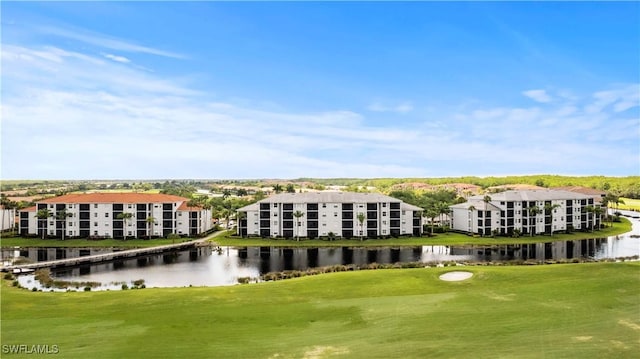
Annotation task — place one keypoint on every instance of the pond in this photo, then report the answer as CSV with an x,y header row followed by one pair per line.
x,y
208,266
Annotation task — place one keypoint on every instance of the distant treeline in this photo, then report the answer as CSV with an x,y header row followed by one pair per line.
x,y
621,186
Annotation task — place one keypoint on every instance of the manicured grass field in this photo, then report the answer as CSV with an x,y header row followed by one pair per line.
x,y
559,311
630,204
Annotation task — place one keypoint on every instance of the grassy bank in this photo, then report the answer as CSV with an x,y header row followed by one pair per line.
x,y
229,240
75,243
560,311
438,239
630,204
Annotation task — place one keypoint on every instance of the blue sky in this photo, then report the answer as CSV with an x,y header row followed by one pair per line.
x,y
142,90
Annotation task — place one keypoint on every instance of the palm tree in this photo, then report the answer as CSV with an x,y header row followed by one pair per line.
x,y
125,217
598,212
62,216
431,212
150,222
43,215
226,193
486,199
443,209
277,188
361,218
589,209
298,214
550,208
533,211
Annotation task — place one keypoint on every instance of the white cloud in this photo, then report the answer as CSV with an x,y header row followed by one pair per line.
x,y
402,107
104,41
117,58
121,122
538,95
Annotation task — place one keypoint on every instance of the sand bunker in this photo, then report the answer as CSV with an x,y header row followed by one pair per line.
x,y
456,276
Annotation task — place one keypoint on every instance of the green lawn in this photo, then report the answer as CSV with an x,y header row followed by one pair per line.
x,y
229,240
118,243
560,311
439,239
630,204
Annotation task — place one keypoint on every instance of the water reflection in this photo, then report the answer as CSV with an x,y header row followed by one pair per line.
x,y
209,267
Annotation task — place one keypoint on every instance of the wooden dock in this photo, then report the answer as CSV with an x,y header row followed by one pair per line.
x,y
98,258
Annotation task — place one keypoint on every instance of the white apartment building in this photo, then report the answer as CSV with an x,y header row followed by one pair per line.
x,y
96,215
7,218
511,210
326,213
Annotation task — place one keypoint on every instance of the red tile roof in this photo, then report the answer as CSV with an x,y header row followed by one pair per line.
x,y
29,209
185,207
117,197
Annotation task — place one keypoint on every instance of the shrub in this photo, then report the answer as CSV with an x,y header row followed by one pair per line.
x,y
124,286
8,276
87,289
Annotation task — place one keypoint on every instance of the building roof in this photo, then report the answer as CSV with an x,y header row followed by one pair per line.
x,y
29,209
584,190
532,195
115,197
329,197
185,207
478,204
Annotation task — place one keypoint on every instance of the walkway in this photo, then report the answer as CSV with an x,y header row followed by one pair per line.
x,y
97,258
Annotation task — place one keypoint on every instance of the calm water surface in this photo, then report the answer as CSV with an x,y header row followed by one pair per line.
x,y
218,267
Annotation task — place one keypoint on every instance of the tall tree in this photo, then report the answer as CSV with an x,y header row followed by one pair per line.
x,y
298,214
291,188
361,218
598,211
61,216
549,209
589,209
533,211
151,221
486,199
43,215
277,188
126,218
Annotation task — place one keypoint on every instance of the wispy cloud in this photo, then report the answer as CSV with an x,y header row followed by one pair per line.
x,y
538,95
402,107
104,41
119,121
117,58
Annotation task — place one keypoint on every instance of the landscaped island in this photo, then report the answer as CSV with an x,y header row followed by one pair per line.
x,y
573,310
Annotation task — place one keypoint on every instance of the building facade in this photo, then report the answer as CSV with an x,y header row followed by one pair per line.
x,y
529,211
322,214
7,218
99,215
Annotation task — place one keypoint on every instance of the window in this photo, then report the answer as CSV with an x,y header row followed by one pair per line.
x,y
275,205
324,224
70,224
51,223
384,205
51,206
129,206
106,215
384,214
179,214
95,206
384,231
95,224
95,233
324,215
384,222
335,206
404,212
275,223
324,205
335,214
95,215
